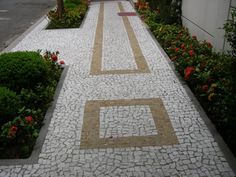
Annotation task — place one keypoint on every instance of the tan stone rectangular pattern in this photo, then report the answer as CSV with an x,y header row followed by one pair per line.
x,y
96,65
90,130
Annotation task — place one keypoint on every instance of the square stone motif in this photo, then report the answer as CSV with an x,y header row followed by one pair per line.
x,y
125,121
90,138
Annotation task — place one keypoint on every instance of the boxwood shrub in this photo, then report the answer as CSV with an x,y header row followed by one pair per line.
x,y
23,70
9,105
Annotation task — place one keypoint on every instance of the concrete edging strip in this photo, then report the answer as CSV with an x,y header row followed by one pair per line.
x,y
22,36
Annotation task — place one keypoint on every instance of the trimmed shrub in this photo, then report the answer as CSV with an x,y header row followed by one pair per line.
x,y
9,105
23,70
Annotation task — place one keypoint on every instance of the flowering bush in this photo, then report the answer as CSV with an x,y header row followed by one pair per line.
x,y
52,57
208,74
19,132
24,100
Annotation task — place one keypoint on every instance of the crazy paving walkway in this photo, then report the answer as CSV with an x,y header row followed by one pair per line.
x,y
121,111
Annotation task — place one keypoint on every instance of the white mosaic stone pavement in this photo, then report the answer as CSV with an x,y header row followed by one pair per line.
x,y
197,153
123,121
121,56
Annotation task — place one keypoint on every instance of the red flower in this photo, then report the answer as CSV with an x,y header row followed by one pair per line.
x,y
182,46
194,37
29,119
205,88
209,45
54,57
62,62
188,71
191,53
13,129
176,49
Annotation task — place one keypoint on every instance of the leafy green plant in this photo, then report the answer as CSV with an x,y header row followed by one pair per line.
x,y
211,76
20,132
167,11
71,18
9,105
22,70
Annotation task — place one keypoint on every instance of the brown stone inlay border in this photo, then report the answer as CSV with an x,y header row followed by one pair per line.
x,y
96,65
90,131
127,14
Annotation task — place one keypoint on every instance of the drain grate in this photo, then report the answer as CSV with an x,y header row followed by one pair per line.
x,y
127,14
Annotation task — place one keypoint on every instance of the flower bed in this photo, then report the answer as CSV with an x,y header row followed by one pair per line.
x,y
72,17
210,75
27,85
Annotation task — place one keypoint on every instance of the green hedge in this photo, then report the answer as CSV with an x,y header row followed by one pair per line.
x,y
9,105
23,70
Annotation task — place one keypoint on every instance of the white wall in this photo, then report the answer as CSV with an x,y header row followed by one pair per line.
x,y
204,18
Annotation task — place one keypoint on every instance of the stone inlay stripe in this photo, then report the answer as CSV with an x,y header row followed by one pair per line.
x,y
97,51
127,14
90,131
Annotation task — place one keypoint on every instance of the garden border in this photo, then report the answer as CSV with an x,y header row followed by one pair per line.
x,y
34,157
81,25
217,137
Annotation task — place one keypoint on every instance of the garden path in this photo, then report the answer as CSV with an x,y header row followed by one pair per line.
x,y
121,111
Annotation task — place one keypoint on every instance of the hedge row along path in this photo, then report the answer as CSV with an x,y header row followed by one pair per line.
x,y
122,111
